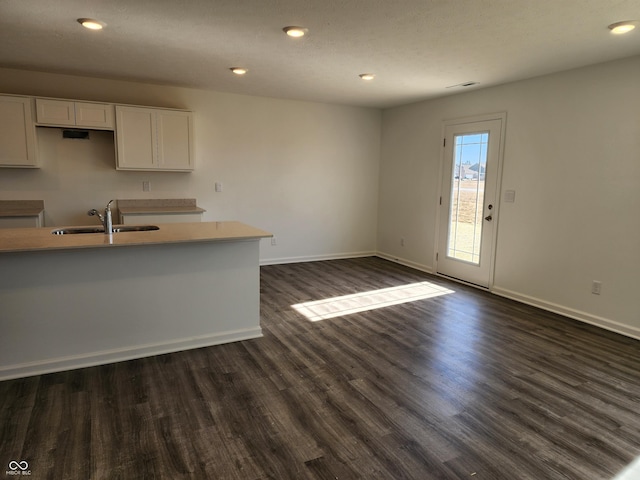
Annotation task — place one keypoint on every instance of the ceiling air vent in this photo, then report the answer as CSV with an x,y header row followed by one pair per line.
x,y
463,85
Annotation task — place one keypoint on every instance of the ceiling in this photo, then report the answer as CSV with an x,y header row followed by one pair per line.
x,y
416,48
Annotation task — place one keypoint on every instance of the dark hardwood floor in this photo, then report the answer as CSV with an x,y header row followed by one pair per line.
x,y
464,385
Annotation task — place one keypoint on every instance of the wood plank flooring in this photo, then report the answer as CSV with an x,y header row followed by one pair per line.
x,y
464,385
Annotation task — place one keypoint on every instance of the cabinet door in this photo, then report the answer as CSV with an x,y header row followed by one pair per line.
x,y
55,112
175,140
18,146
94,115
135,138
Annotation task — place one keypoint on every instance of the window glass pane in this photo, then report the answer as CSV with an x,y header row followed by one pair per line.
x,y
467,196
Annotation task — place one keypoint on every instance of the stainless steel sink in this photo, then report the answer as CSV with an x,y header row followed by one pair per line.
x,y
134,228
116,229
64,231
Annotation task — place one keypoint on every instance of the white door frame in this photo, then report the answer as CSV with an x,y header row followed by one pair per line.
x,y
496,210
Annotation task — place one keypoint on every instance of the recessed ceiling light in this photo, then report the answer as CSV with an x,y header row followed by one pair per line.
x,y
295,31
91,23
622,27
239,70
367,76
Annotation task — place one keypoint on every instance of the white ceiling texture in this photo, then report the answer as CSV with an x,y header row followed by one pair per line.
x,y
416,48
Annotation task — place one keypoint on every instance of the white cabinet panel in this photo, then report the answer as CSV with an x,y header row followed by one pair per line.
x,y
95,115
67,113
18,147
55,112
154,139
135,138
174,140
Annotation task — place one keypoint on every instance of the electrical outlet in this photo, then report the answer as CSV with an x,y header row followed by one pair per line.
x,y
596,287
402,242
146,186
273,240
218,187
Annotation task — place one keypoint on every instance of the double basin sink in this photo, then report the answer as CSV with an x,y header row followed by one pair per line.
x,y
116,229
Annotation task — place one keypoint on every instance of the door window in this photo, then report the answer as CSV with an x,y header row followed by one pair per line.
x,y
467,196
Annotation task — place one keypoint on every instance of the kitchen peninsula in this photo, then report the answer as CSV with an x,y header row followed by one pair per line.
x,y
75,300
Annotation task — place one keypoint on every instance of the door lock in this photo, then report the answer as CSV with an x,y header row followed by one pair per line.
x,y
488,218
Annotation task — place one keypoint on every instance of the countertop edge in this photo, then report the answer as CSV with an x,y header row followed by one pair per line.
x,y
159,210
41,239
21,213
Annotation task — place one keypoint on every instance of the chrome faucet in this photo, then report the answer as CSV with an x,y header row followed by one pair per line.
x,y
106,219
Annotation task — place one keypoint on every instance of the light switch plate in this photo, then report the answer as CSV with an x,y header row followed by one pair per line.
x,y
509,196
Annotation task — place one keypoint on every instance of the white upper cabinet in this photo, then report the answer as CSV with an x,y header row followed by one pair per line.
x,y
174,137
68,113
18,146
135,139
154,139
146,138
95,115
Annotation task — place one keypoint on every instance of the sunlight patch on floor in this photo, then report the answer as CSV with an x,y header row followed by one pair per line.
x,y
632,472
362,302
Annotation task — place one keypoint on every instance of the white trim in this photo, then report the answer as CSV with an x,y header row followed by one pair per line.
x,y
601,322
579,315
127,353
343,256
495,116
463,282
483,117
405,262
316,258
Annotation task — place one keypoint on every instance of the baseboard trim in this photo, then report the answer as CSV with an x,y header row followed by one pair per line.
x,y
405,262
579,315
315,258
59,364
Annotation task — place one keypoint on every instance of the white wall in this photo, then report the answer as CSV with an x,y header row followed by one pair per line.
x,y
307,172
572,154
310,174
